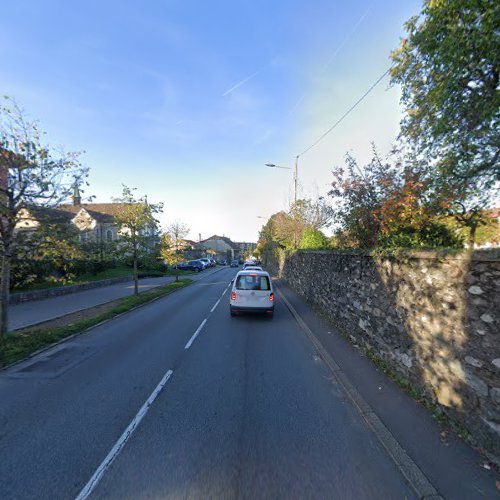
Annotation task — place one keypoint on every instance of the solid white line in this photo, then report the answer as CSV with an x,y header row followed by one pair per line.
x,y
117,448
215,305
192,339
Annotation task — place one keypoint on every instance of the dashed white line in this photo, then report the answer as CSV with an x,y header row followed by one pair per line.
x,y
196,333
215,305
117,448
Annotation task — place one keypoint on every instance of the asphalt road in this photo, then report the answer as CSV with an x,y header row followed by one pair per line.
x,y
149,405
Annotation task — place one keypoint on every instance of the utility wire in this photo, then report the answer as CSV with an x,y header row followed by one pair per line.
x,y
321,137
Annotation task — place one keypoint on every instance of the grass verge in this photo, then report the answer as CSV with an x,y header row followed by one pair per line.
x,y
21,343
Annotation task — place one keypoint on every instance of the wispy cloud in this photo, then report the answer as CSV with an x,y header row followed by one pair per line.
x,y
240,83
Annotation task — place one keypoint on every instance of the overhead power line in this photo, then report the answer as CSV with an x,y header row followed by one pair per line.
x,y
321,137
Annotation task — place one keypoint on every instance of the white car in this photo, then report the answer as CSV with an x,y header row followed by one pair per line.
x,y
252,291
253,268
205,262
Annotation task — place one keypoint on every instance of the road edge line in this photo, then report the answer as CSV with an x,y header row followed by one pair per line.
x,y
405,464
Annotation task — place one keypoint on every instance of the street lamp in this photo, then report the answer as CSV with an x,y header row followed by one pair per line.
x,y
295,175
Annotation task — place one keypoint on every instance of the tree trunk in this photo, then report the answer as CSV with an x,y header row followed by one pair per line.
x,y
4,295
472,236
136,276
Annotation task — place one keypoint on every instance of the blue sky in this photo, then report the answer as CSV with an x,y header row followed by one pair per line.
x,y
187,100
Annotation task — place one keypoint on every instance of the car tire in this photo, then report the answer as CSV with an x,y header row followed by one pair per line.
x,y
270,314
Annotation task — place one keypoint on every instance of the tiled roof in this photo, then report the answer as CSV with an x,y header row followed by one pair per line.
x,y
50,215
112,209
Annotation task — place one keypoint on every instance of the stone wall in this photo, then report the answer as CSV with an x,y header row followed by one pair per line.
x,y
433,317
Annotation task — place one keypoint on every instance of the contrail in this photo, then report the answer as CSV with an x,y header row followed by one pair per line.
x,y
242,82
334,55
346,38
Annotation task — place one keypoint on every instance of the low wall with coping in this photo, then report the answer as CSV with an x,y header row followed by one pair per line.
x,y
18,297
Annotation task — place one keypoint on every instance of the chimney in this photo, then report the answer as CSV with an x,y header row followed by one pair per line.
x,y
77,199
199,237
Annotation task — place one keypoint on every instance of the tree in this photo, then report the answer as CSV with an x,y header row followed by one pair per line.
x,y
313,239
448,66
138,227
31,174
284,231
387,203
173,245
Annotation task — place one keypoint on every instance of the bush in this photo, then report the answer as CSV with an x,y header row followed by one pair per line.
x,y
312,239
434,234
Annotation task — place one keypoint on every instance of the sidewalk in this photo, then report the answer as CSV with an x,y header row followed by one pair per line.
x,y
451,465
30,313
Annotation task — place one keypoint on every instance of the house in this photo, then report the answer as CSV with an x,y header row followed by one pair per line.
x,y
220,247
95,222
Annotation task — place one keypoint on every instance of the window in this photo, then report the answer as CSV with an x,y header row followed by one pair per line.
x,y
109,235
252,283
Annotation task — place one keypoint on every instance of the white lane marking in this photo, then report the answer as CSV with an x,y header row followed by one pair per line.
x,y
192,339
119,445
215,305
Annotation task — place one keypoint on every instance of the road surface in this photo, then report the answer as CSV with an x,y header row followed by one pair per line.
x,y
179,400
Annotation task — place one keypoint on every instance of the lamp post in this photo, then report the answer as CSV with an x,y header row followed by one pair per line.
x,y
295,175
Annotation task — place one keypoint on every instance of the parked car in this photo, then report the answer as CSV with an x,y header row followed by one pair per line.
x,y
252,291
235,263
195,265
205,262
212,262
182,266
222,263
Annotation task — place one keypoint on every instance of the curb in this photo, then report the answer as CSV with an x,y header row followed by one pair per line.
x,y
65,339
408,468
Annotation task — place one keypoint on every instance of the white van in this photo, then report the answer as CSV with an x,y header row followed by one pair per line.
x,y
252,291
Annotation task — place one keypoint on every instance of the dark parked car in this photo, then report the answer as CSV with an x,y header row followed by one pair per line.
x,y
235,263
195,265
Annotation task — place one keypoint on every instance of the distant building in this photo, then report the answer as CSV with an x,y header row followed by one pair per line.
x,y
245,248
221,247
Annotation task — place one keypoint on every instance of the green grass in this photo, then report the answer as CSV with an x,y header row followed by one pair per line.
x,y
117,272
20,344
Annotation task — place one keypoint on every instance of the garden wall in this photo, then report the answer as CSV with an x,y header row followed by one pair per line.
x,y
433,317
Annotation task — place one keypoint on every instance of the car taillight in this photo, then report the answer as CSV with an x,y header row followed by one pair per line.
x,y
271,297
233,296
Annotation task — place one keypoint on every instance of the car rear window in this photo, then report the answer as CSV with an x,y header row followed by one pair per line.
x,y
252,282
